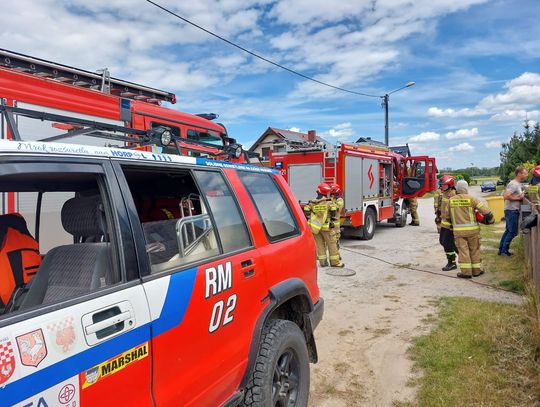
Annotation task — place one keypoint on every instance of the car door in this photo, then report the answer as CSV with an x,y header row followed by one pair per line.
x,y
204,284
78,333
418,176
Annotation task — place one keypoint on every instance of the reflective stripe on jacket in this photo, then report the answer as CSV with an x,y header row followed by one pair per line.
x,y
444,207
462,216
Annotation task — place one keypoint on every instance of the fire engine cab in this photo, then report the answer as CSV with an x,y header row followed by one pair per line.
x,y
376,182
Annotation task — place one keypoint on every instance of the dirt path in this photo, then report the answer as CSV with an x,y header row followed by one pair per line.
x,y
371,317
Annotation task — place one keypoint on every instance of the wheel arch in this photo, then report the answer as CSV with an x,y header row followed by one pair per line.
x,y
289,300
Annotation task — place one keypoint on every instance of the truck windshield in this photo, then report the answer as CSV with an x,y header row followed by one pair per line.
x,y
209,137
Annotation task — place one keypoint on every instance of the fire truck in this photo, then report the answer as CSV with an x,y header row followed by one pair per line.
x,y
76,106
376,182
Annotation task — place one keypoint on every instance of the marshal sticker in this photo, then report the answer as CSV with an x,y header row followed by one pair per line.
x,y
7,360
114,365
32,348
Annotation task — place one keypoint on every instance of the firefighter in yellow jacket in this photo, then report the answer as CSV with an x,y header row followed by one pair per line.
x,y
320,212
532,193
335,192
463,215
446,235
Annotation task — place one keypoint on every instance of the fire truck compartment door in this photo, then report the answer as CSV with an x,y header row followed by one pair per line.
x,y
304,179
370,178
418,176
353,183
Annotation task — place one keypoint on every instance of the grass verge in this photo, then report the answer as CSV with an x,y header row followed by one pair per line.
x,y
479,354
506,272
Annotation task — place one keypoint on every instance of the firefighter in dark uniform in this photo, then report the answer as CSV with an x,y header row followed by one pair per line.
x,y
463,217
320,212
446,236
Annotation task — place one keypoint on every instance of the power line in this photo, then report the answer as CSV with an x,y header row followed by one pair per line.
x,y
260,56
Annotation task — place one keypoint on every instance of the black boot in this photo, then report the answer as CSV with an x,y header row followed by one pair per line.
x,y
450,266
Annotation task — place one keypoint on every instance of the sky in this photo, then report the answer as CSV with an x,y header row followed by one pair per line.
x,y
476,64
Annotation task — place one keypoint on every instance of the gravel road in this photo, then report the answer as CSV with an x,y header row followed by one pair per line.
x,y
371,317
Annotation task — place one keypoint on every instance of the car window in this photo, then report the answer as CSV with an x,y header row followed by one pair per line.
x,y
231,227
58,238
177,226
275,214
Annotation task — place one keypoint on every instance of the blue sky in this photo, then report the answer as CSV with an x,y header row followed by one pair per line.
x,y
476,63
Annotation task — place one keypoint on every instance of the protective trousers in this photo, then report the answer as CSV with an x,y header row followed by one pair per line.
x,y
446,239
324,240
413,205
469,254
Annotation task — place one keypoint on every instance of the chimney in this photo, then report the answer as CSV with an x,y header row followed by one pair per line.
x,y
311,136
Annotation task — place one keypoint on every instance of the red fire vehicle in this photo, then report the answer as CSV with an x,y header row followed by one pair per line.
x,y
376,182
77,100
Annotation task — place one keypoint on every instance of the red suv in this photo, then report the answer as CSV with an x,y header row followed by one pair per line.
x,y
160,281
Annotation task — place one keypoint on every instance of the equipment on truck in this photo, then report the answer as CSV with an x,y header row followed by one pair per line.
x,y
80,105
376,183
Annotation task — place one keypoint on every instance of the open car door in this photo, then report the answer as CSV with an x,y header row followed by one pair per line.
x,y
418,176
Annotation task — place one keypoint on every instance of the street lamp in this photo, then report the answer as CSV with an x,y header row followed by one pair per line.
x,y
385,99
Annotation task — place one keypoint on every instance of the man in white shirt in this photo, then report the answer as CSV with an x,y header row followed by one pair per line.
x,y
513,195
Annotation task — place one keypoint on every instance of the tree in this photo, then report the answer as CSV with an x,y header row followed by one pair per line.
x,y
520,149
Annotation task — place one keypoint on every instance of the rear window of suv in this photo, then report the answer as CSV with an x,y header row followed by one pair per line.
x,y
275,213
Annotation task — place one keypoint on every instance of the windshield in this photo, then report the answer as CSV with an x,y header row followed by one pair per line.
x,y
209,137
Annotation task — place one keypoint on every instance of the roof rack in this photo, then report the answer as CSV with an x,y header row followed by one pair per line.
x,y
134,138
101,81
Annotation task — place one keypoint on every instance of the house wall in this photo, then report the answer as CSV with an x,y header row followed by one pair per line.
x,y
266,142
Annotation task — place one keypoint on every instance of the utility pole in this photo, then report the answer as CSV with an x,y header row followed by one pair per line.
x,y
385,100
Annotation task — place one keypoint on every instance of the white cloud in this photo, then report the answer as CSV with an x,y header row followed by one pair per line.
x,y
425,136
342,131
493,144
296,129
463,147
522,92
514,115
466,112
462,133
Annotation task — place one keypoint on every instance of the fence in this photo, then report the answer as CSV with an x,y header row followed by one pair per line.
x,y
531,243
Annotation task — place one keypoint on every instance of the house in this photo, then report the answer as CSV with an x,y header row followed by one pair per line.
x,y
273,136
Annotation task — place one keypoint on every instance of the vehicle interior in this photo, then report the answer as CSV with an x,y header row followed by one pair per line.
x,y
66,216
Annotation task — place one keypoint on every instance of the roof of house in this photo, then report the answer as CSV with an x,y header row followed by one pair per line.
x,y
286,135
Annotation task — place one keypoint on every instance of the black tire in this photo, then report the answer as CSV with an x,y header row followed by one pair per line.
x,y
280,376
370,221
404,212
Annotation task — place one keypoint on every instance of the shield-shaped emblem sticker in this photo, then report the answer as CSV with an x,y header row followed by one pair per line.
x,y
32,348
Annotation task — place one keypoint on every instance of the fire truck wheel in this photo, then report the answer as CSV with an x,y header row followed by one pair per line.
x,y
404,211
281,373
370,221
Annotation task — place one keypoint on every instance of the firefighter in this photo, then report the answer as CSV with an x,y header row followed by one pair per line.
x,y
320,212
532,194
446,236
413,206
464,218
335,192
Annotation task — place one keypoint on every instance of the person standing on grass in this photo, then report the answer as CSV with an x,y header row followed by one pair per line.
x,y
513,195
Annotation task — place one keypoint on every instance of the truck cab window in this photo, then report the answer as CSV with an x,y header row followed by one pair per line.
x,y
177,226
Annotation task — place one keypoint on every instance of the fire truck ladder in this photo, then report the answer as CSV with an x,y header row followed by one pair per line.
x,y
100,81
133,138
329,164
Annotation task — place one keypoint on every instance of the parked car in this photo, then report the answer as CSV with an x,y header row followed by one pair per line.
x,y
488,186
152,280
500,182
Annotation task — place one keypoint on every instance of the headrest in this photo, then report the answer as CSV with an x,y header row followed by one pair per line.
x,y
15,221
84,216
